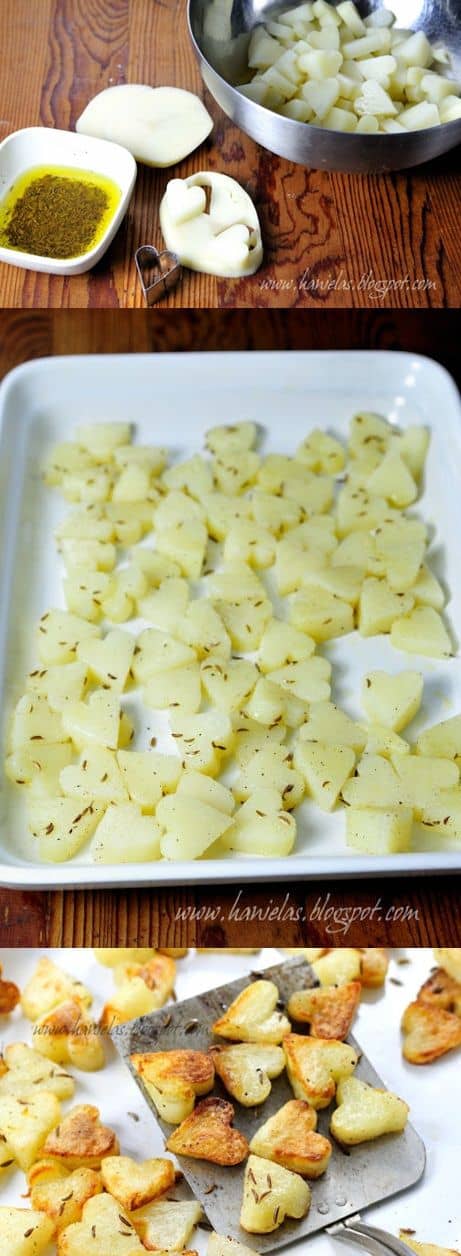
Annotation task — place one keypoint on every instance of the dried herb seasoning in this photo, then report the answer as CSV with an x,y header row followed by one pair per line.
x,y
57,212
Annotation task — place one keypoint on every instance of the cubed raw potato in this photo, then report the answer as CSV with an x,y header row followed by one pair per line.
x,y
416,50
380,607
202,628
418,117
379,832
262,52
272,767
321,614
427,591
203,739
308,679
95,722
229,683
109,660
261,826
156,651
450,109
443,813
381,69
375,783
101,439
421,777
422,631
59,634
179,687
125,835
377,40
97,777
442,740
327,723
325,768
320,95
204,789
189,826
392,700
147,775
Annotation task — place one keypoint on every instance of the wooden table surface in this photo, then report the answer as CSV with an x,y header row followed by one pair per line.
x,y
410,912
331,240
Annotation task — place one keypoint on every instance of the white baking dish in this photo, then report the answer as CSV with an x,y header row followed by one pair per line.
x,y
173,399
431,1208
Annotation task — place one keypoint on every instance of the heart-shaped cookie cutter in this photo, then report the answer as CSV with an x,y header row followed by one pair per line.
x,y
158,272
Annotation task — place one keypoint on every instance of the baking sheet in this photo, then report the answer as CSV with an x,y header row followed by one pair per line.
x,y
356,1177
173,399
431,1208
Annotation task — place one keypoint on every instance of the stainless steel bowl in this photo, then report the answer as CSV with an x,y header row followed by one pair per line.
x,y
220,32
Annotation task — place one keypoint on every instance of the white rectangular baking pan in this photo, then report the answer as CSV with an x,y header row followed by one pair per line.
x,y
431,1207
172,399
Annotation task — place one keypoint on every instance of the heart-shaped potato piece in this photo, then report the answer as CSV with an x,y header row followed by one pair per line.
x,y
364,1112
246,1070
328,1010
429,1032
104,1230
315,1065
81,1141
173,1079
271,1193
67,1035
28,1072
441,990
289,1139
64,1199
252,1017
24,1231
136,1183
167,1224
207,1134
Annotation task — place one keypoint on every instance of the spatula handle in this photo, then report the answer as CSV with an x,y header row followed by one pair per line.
x,y
369,1237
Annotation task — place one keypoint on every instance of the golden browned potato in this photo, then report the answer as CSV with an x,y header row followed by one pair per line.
x,y
253,1016
113,956
49,986
27,1072
429,1032
46,1170
167,1224
374,963
246,1068
338,966
67,1035
136,1183
9,995
208,1134
174,1078
449,958
104,1230
289,1139
329,1010
365,1112
141,988
441,990
426,1249
25,1126
63,1200
24,1232
81,1141
315,1065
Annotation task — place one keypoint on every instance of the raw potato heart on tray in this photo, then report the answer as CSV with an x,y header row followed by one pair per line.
x,y
241,567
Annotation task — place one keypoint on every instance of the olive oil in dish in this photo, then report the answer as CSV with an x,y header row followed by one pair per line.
x,y
57,211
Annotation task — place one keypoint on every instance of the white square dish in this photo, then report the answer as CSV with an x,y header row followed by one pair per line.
x,y
44,146
173,399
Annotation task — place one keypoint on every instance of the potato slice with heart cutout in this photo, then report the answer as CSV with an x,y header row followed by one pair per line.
x,y
208,1134
253,1016
246,1069
329,1010
173,1079
316,1065
270,1194
289,1139
365,1112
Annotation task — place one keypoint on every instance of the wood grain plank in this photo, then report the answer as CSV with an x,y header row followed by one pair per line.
x,y
323,232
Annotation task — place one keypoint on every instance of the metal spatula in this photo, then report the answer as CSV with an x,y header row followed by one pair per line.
x,y
356,1177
